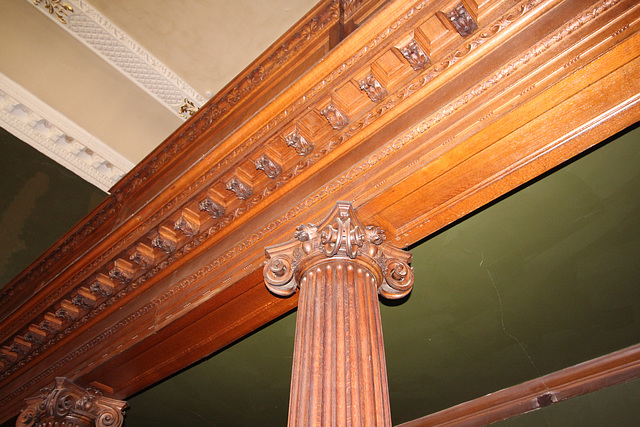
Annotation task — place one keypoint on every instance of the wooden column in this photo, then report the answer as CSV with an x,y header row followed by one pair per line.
x,y
66,404
339,371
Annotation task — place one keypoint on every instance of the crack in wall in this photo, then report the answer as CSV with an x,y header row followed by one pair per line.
x,y
504,328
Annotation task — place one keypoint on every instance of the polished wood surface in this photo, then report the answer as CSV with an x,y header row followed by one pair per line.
x,y
339,374
168,269
605,371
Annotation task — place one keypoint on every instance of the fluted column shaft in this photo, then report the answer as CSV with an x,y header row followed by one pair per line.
x,y
341,266
339,371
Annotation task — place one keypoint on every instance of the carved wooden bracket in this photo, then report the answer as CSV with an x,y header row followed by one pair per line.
x,y
66,404
462,20
341,235
414,54
372,87
268,166
299,143
216,210
335,117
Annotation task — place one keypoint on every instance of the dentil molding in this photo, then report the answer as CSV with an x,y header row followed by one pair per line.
x,y
45,129
94,30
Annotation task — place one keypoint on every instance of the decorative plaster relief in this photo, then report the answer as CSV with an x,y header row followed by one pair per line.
x,y
54,7
57,137
95,31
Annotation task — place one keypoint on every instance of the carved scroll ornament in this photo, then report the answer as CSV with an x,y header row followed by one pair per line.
x,y
341,235
66,404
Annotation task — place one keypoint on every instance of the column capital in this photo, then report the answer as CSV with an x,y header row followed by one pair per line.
x,y
67,404
340,236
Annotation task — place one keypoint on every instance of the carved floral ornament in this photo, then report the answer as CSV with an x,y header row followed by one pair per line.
x,y
342,236
66,404
55,7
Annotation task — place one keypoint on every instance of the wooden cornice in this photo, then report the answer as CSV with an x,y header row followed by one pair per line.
x,y
412,119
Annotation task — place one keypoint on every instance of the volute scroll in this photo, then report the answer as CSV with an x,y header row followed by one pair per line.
x,y
341,236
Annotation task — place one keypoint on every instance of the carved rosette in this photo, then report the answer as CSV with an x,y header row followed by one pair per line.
x,y
341,235
66,404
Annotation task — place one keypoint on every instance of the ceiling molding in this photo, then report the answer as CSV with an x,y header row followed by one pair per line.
x,y
54,135
94,30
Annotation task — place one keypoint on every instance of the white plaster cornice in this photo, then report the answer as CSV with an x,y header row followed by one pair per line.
x,y
53,134
114,46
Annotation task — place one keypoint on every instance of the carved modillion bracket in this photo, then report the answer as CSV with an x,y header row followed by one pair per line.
x,y
165,241
268,166
188,223
102,286
122,271
340,236
336,118
373,88
213,208
299,143
142,256
415,54
462,20
242,190
66,404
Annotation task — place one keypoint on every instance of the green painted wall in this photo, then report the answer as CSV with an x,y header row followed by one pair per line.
x,y
541,280
39,202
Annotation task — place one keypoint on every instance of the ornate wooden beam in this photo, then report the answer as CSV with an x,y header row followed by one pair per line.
x,y
168,269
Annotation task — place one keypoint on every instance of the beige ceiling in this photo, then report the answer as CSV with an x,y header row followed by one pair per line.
x,y
204,42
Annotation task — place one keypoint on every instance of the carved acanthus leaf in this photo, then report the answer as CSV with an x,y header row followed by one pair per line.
x,y
187,227
268,166
164,244
462,20
239,188
143,256
341,235
210,206
302,146
415,55
67,404
335,117
372,87
82,301
122,271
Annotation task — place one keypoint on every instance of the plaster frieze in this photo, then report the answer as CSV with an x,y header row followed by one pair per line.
x,y
103,37
48,131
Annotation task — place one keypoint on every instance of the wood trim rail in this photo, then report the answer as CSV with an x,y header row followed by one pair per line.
x,y
605,371
413,119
